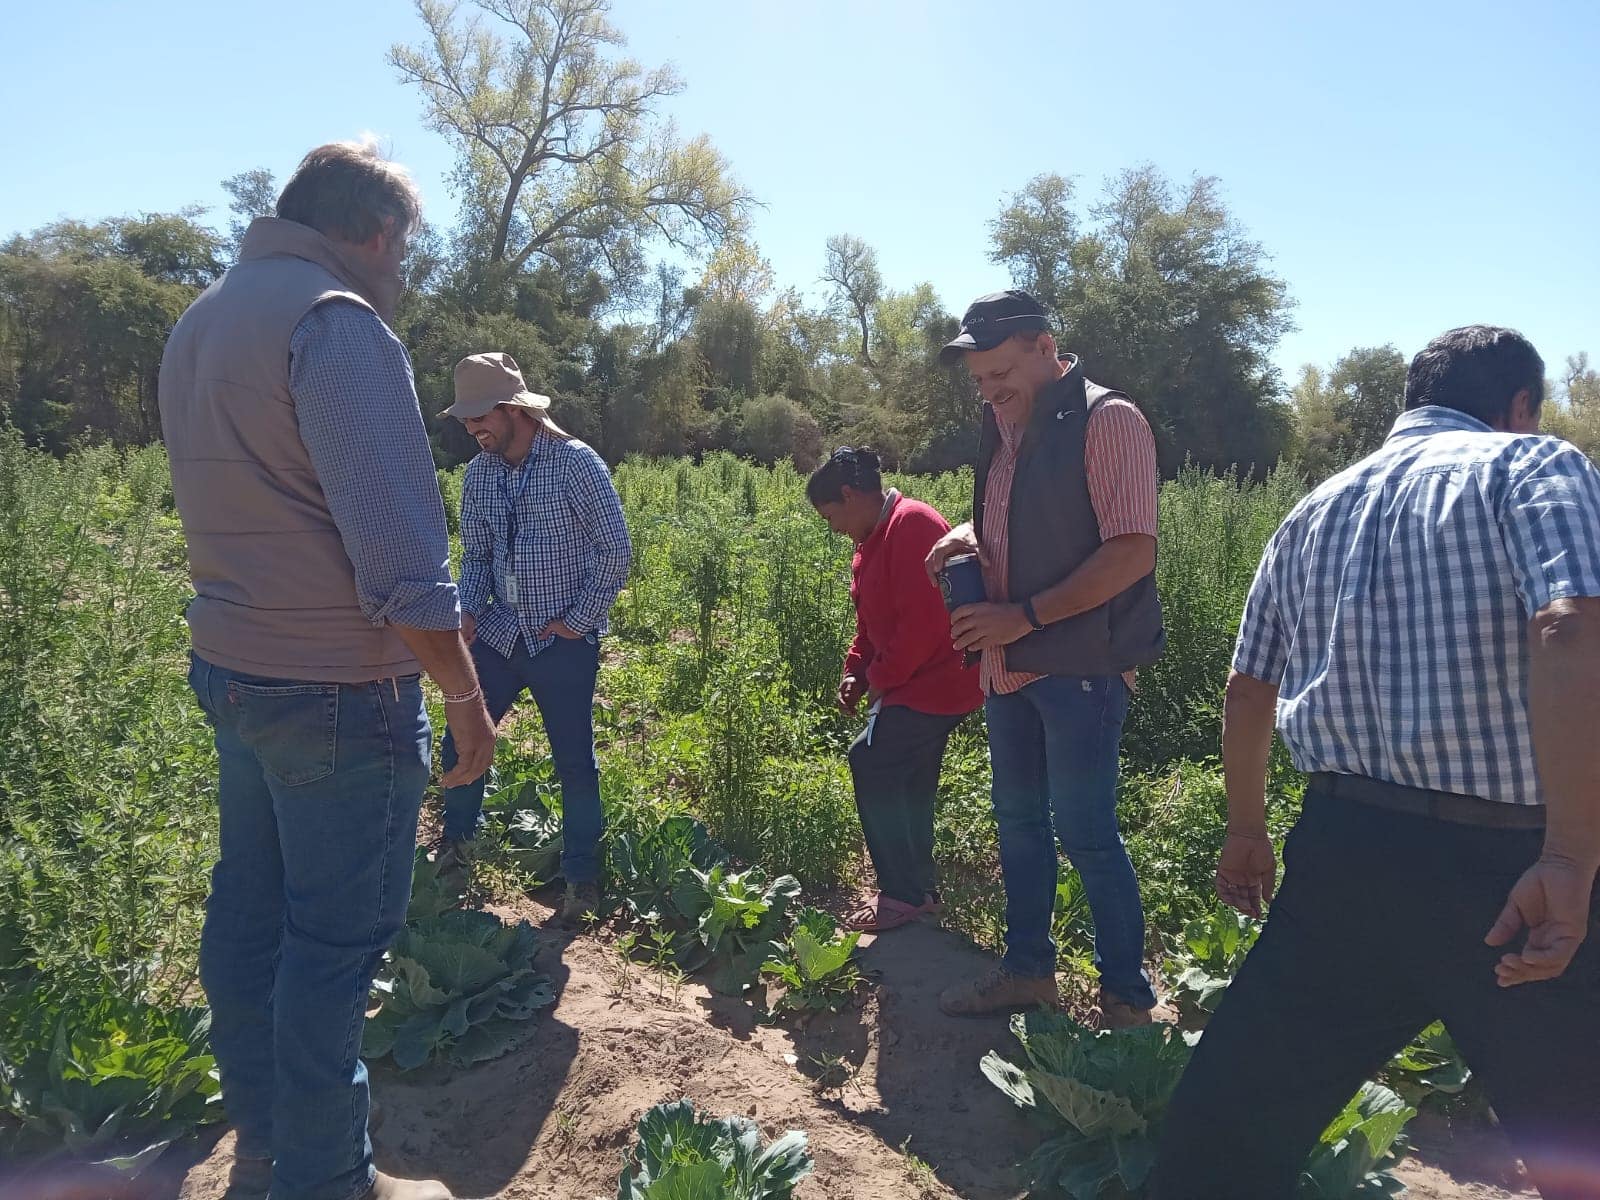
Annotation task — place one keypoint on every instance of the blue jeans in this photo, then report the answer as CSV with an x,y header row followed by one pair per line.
x,y
561,679
320,785
1053,751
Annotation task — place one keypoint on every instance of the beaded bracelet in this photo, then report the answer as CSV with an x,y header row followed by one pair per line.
x,y
464,696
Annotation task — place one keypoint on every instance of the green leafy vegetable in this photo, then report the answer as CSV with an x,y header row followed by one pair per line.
x,y
1214,948
525,817
814,964
647,865
456,985
1352,1157
681,1155
1102,1094
431,891
738,919
114,1084
1430,1065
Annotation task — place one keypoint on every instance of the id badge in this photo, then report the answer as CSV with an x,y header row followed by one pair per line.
x,y
509,589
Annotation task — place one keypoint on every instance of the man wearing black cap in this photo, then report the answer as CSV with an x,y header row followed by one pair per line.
x,y
1064,524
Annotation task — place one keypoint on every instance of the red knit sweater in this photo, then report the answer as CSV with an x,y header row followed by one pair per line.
x,y
902,643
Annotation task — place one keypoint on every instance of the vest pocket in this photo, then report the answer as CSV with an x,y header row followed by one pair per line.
x,y
292,728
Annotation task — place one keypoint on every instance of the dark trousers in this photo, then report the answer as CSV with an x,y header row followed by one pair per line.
x,y
561,678
896,780
1378,931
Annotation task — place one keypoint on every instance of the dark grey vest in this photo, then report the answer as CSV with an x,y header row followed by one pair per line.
x,y
1052,529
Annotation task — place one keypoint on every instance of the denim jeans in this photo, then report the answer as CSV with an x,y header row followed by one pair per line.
x,y
1053,750
561,679
896,780
1376,932
319,789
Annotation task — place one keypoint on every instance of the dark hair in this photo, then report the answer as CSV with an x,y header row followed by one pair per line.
x,y
846,466
1476,369
349,191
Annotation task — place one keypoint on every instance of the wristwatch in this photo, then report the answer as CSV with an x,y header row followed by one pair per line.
x,y
1033,617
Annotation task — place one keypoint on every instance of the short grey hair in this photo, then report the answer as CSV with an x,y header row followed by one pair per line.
x,y
350,191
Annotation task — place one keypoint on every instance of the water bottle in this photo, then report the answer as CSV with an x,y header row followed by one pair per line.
x,y
961,582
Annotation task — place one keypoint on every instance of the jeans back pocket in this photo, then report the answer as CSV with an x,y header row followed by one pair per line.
x,y
292,728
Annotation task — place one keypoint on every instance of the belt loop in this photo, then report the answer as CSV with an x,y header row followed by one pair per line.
x,y
394,682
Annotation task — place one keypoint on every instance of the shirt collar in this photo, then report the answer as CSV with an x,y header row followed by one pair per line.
x,y
1436,418
889,500
541,440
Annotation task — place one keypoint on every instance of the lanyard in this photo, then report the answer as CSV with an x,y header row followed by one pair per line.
x,y
511,502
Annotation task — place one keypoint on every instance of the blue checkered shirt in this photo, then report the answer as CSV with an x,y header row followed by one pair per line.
x,y
572,550
1391,608
356,407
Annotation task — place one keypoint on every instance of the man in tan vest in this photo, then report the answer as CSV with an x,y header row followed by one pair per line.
x,y
320,561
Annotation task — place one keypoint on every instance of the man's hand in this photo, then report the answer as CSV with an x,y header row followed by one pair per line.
x,y
469,628
559,628
473,733
851,689
1550,901
982,626
1246,872
963,539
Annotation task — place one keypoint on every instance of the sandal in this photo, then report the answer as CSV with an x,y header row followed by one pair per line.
x,y
882,913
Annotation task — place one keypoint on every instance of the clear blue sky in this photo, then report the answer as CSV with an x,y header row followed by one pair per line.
x,y
1409,165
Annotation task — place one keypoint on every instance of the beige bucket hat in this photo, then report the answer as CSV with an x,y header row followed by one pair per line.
x,y
486,380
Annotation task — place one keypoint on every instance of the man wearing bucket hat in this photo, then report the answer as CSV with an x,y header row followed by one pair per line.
x,y
1064,524
545,551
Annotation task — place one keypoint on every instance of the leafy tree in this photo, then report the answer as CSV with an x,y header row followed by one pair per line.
x,y
561,155
1345,416
852,269
1575,414
737,272
255,194
1164,296
774,428
87,311
1034,237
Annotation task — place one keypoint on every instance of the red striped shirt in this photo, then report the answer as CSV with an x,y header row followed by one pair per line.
x,y
1119,459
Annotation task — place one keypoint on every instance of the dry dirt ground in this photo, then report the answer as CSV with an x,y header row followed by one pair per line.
x,y
889,1093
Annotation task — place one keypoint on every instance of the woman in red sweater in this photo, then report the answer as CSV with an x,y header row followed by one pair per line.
x,y
914,679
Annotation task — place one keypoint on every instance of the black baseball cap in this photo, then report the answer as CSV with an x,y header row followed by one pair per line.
x,y
991,319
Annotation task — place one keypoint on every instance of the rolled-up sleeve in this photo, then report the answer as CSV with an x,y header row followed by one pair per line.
x,y
1551,524
599,510
356,405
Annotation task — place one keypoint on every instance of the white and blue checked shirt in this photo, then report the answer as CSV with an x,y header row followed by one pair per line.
x,y
572,551
357,410
1391,608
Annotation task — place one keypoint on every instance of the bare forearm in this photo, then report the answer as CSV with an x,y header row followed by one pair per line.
x,y
1111,570
443,655
1248,716
1564,708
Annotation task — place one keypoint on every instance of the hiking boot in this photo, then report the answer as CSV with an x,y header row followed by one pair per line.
x,y
387,1187
1110,1012
581,905
249,1178
453,857
997,991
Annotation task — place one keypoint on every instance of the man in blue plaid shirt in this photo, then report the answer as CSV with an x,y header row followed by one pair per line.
x,y
545,551
1425,631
